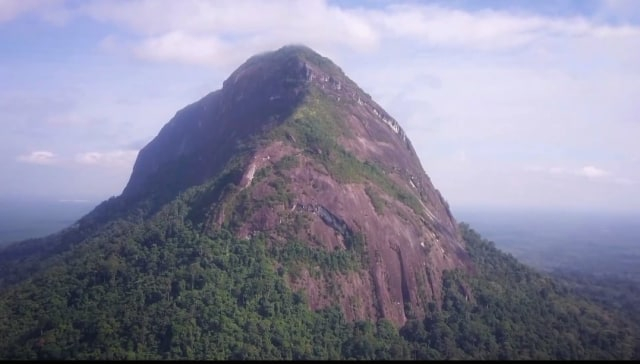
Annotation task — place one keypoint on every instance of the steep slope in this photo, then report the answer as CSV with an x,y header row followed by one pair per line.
x,y
278,218
197,143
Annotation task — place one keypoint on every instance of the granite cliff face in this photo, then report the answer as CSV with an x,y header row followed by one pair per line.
x,y
203,136
301,153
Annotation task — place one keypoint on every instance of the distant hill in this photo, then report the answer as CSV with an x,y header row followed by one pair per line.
x,y
286,216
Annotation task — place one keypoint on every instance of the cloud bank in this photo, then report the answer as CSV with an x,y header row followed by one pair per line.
x,y
42,157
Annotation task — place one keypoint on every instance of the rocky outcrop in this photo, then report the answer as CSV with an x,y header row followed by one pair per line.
x,y
312,148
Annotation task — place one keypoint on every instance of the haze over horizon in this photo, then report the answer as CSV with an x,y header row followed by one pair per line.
x,y
519,104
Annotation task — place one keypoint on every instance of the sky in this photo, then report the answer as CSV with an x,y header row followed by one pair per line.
x,y
528,104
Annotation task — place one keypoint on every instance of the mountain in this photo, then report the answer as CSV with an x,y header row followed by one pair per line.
x,y
315,153
285,216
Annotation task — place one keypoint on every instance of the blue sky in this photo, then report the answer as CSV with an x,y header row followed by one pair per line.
x,y
508,103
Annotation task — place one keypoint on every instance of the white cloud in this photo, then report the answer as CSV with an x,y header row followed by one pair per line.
x,y
485,29
208,32
478,30
548,170
10,9
182,48
116,158
39,157
223,32
52,11
232,17
592,172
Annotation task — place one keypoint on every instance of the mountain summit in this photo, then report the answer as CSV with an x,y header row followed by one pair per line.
x,y
315,160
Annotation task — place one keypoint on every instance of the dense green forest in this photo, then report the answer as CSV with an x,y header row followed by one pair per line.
x,y
160,288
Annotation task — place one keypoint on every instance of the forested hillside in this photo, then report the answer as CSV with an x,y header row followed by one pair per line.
x,y
160,289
